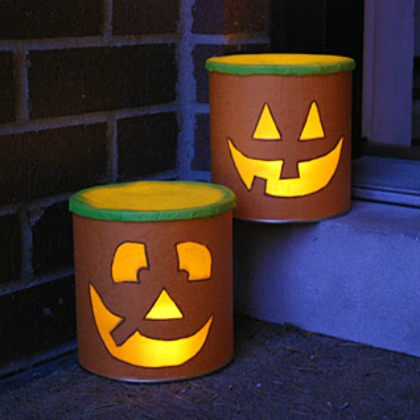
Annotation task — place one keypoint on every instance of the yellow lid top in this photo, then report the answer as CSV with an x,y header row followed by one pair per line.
x,y
280,64
152,201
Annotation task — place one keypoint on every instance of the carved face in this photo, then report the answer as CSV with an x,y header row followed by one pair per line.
x,y
312,175
129,262
282,144
154,299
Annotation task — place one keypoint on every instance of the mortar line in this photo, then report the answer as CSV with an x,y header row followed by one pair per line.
x,y
231,39
87,42
22,85
48,201
186,90
57,275
26,241
201,175
112,150
107,23
44,202
83,119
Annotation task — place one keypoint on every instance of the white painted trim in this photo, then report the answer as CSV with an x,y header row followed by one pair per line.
x,y
387,180
388,70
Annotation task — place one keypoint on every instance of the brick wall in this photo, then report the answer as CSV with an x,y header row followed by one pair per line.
x,y
221,27
94,92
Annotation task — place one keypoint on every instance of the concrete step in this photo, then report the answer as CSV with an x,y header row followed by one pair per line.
x,y
355,277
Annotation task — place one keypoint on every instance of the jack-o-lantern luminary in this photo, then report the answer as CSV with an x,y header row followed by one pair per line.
x,y
280,128
153,264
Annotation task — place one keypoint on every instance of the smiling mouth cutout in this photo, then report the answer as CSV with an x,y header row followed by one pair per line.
x,y
314,174
140,350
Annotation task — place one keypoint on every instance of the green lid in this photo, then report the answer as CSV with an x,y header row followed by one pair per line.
x,y
280,64
152,201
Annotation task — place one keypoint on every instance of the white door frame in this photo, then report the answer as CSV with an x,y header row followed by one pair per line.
x,y
388,71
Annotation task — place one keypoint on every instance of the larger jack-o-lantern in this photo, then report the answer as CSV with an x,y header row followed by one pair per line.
x,y
281,134
154,279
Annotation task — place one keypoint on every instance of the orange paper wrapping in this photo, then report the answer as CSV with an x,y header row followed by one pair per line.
x,y
112,312
236,104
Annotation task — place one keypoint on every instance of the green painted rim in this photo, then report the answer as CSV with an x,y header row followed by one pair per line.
x,y
127,201
280,64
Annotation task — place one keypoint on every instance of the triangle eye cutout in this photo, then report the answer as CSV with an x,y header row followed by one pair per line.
x,y
266,126
313,127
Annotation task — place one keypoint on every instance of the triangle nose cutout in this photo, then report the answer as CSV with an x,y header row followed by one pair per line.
x,y
266,126
164,308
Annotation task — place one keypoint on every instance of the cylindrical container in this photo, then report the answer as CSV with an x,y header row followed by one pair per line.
x,y
280,128
153,263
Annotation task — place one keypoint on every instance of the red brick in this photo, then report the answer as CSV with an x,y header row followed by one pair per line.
x,y
7,87
52,238
209,17
134,17
76,81
50,18
147,145
231,16
10,250
38,164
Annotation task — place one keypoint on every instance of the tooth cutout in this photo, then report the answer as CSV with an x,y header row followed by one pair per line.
x,y
164,308
129,258
313,127
266,126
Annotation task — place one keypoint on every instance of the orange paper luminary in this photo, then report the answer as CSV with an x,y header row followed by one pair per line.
x,y
154,279
281,134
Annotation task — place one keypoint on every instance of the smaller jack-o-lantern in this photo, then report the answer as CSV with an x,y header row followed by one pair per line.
x,y
153,266
280,134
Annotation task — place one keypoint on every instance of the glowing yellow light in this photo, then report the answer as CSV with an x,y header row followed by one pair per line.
x,y
143,351
313,127
196,259
129,258
164,308
314,174
266,127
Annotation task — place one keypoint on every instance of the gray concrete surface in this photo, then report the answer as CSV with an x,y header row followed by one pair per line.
x,y
355,277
